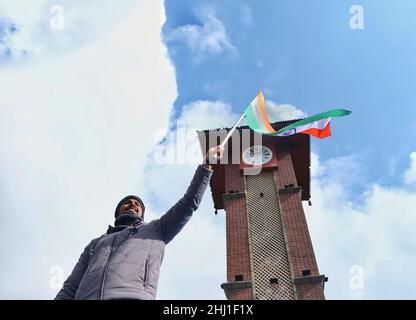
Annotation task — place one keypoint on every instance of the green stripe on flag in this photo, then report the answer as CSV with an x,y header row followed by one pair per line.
x,y
253,124
316,117
251,119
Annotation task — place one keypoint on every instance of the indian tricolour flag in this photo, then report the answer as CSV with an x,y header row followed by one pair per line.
x,y
317,125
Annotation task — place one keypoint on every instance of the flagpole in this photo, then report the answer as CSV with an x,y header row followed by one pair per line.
x,y
231,132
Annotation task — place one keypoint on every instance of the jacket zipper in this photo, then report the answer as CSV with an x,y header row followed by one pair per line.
x,y
106,267
146,271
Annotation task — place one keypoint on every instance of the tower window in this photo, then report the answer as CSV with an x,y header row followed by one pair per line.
x,y
274,281
306,273
239,277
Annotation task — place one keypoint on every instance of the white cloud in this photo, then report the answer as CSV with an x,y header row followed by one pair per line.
x,y
210,38
373,233
74,135
195,261
281,112
376,234
73,139
27,31
410,173
203,114
183,275
317,169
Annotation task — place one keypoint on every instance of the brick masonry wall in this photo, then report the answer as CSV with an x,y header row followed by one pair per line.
x,y
299,244
238,258
310,291
241,294
300,250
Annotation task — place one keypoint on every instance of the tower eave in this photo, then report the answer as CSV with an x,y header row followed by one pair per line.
x,y
299,145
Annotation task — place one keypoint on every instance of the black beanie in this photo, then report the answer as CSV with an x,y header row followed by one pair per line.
x,y
116,213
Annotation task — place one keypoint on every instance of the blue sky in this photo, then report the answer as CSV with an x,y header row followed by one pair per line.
x,y
75,135
305,53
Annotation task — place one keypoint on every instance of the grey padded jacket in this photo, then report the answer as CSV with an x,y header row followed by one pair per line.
x,y
126,264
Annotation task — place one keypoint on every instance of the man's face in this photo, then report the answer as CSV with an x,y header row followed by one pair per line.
x,y
131,206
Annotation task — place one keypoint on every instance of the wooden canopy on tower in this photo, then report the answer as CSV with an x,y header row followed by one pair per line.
x,y
298,144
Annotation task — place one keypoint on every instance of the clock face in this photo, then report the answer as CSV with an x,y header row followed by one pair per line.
x,y
257,155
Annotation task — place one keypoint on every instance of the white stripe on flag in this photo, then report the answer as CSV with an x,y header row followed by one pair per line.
x,y
319,124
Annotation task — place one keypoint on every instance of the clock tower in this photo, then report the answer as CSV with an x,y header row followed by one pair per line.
x,y
261,183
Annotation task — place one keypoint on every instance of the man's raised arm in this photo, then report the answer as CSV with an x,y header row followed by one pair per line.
x,y
176,217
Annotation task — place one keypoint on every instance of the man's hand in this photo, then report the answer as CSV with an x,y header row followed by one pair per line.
x,y
212,156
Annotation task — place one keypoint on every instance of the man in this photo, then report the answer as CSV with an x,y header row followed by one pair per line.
x,y
124,263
